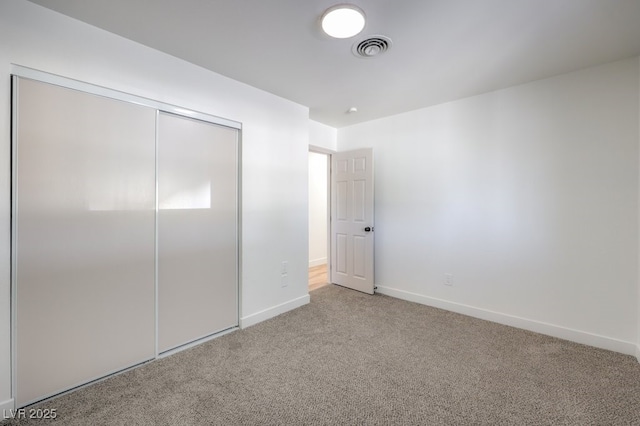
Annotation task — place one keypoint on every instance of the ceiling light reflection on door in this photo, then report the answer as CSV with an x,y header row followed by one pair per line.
x,y
343,21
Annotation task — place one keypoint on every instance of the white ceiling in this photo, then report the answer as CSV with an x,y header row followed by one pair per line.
x,y
442,49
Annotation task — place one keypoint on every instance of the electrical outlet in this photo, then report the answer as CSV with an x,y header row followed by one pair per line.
x,y
284,268
284,280
448,279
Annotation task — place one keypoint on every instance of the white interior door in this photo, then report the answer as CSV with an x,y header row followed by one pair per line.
x,y
352,219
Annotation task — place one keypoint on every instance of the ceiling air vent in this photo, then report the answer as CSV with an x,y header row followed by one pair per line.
x,y
371,46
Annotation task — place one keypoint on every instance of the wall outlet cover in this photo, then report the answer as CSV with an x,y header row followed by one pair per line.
x,y
448,279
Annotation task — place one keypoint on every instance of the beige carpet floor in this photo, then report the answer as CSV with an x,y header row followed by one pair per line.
x,y
352,359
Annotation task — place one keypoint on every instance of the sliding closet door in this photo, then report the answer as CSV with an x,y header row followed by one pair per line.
x,y
197,229
84,200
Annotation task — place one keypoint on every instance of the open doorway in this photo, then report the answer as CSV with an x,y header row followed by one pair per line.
x,y
318,219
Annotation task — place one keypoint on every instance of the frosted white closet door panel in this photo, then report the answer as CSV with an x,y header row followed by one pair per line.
x,y
197,230
85,238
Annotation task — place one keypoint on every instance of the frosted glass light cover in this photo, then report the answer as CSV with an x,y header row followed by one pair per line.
x,y
343,21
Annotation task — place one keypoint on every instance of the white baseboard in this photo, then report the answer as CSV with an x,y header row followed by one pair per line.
x,y
273,311
317,262
577,336
5,407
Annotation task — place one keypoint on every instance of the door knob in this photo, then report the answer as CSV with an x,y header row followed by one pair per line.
x,y
368,229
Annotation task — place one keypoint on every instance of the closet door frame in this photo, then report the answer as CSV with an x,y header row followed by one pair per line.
x,y
20,72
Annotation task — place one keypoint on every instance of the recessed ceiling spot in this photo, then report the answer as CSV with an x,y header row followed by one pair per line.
x,y
343,21
371,46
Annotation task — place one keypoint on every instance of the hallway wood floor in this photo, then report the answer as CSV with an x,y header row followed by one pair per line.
x,y
318,277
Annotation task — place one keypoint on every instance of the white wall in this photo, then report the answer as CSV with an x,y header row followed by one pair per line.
x,y
318,167
275,146
528,196
322,136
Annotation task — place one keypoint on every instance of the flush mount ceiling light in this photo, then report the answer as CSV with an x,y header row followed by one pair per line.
x,y
343,21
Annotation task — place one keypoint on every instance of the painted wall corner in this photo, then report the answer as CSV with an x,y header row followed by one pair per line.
x,y
323,136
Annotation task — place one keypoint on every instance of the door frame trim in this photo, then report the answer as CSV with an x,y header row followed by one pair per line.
x,y
329,153
69,83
